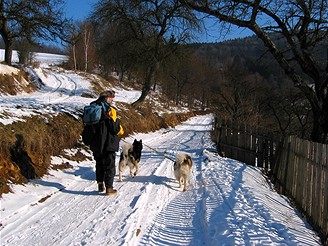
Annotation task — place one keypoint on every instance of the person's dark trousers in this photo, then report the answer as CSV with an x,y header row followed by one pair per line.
x,y
105,169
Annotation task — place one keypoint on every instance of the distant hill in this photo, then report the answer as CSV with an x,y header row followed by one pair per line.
x,y
252,53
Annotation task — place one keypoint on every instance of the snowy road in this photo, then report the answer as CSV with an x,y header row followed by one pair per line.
x,y
227,203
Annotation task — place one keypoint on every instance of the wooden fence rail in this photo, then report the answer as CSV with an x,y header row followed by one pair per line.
x,y
299,168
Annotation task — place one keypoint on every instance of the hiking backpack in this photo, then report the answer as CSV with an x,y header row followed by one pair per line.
x,y
92,115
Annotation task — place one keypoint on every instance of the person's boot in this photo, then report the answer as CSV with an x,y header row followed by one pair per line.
x,y
110,191
101,187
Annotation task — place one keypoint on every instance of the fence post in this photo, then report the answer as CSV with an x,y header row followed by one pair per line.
x,y
286,171
277,161
325,194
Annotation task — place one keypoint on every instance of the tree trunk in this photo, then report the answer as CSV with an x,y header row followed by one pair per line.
x,y
142,97
146,86
319,106
86,46
121,74
320,123
8,43
74,57
8,51
7,39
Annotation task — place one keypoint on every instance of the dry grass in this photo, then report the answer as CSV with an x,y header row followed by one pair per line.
x,y
11,84
26,147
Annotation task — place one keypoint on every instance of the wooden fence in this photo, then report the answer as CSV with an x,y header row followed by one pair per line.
x,y
246,144
301,172
298,168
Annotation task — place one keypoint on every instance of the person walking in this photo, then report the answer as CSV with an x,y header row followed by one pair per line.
x,y
106,143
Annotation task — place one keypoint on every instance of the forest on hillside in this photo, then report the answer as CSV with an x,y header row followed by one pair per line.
x,y
248,86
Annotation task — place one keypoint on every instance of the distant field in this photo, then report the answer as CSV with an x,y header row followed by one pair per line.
x,y
39,57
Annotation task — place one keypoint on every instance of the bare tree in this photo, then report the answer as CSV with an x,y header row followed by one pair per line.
x,y
291,112
82,51
204,75
118,50
74,39
174,75
41,19
86,33
73,47
302,27
238,94
157,25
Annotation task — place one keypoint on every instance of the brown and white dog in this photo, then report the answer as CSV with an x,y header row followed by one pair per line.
x,y
182,169
130,156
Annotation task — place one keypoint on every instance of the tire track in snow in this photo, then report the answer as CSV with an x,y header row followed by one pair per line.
x,y
67,86
175,223
52,82
145,205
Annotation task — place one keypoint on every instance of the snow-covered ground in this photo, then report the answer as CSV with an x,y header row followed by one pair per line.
x,y
227,202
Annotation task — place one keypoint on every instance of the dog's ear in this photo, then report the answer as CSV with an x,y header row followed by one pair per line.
x,y
140,140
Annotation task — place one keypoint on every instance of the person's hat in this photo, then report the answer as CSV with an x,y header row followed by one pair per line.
x,y
108,93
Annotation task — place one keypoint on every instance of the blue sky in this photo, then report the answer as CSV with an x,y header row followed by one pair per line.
x,y
79,10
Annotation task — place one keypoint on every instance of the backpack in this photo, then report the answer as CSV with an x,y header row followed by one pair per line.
x,y
92,113
92,116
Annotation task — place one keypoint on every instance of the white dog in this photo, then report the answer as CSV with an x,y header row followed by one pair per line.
x,y
130,156
182,168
